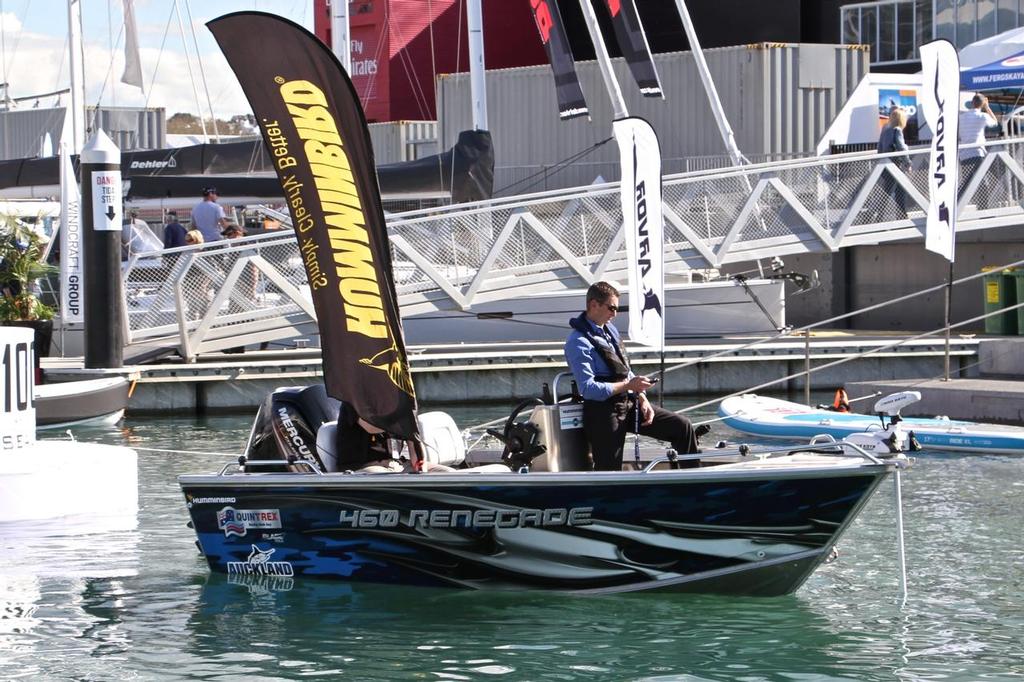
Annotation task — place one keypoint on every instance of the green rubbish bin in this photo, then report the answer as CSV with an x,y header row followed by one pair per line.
x,y
1001,287
1018,275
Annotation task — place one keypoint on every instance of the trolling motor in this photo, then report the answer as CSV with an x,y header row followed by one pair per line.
x,y
521,439
891,439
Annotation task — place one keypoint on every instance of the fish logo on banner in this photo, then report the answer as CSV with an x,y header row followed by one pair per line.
x,y
552,33
640,155
940,104
315,130
629,33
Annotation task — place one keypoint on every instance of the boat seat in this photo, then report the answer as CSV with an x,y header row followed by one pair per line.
x,y
327,446
442,440
444,448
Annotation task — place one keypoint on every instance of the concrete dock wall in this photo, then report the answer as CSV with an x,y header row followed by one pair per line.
x,y
511,373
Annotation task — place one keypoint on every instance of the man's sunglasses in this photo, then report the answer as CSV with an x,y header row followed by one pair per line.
x,y
613,308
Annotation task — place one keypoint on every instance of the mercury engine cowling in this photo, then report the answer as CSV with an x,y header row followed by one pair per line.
x,y
287,422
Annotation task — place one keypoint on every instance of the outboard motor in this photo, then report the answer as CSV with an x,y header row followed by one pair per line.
x,y
287,423
891,439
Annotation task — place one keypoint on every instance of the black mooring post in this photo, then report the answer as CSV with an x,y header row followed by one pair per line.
x,y
101,227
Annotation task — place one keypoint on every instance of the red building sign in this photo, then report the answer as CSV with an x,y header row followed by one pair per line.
x,y
399,46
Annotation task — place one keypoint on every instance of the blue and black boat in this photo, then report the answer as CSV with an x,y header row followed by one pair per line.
x,y
742,523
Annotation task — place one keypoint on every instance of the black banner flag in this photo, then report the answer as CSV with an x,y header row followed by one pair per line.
x,y
629,33
552,33
316,132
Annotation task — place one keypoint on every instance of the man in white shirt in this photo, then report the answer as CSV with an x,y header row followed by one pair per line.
x,y
972,133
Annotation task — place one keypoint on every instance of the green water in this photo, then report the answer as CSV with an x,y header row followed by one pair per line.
x,y
141,604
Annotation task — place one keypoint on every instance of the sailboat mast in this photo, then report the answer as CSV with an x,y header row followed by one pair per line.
x,y
709,87
340,35
477,73
604,61
77,105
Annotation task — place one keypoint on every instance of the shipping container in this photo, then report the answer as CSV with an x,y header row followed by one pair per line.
x,y
23,132
403,140
779,98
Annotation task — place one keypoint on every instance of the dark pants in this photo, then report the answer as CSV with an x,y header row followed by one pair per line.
x,y
894,190
968,167
607,422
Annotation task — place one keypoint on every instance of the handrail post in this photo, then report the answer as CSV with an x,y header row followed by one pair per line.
x,y
807,367
949,308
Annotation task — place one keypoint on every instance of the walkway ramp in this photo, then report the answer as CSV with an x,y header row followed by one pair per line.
x,y
226,294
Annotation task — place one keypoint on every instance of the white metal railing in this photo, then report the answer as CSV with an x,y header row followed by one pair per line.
x,y
206,297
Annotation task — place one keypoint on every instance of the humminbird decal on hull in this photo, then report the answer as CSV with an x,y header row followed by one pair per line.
x,y
462,518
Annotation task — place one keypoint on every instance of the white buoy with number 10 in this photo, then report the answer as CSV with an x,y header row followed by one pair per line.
x,y
94,486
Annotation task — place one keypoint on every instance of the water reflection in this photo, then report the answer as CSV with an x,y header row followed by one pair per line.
x,y
390,633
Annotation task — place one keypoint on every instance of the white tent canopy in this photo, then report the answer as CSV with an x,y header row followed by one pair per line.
x,y
997,47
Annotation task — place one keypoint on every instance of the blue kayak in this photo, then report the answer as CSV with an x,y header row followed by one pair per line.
x,y
773,418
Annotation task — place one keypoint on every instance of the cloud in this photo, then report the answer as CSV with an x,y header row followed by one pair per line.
x,y
9,23
40,65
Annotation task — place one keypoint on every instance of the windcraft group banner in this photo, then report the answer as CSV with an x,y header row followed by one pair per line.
x,y
552,33
640,155
940,94
629,33
71,285
315,130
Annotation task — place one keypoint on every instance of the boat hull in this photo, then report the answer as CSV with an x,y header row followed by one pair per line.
x,y
94,401
542,313
735,531
774,418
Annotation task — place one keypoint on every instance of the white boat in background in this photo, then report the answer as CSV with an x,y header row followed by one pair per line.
x,y
88,483
74,403
759,415
539,313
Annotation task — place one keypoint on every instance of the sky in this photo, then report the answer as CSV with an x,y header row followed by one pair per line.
x,y
33,49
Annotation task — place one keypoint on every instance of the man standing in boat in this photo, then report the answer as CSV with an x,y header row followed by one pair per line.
x,y
611,391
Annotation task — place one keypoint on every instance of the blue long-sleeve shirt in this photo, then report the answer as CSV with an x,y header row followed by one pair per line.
x,y
586,363
174,235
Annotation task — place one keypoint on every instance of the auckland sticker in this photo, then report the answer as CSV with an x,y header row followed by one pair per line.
x,y
259,563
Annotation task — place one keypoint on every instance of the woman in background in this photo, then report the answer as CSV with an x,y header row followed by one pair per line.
x,y
891,140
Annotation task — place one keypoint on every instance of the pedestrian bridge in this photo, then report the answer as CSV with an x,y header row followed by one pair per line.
x,y
225,294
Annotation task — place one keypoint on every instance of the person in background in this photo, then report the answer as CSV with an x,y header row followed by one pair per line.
x,y
232,231
611,392
972,134
246,283
174,232
208,216
193,237
891,140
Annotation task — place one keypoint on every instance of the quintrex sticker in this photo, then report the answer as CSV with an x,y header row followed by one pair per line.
x,y
238,521
259,563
